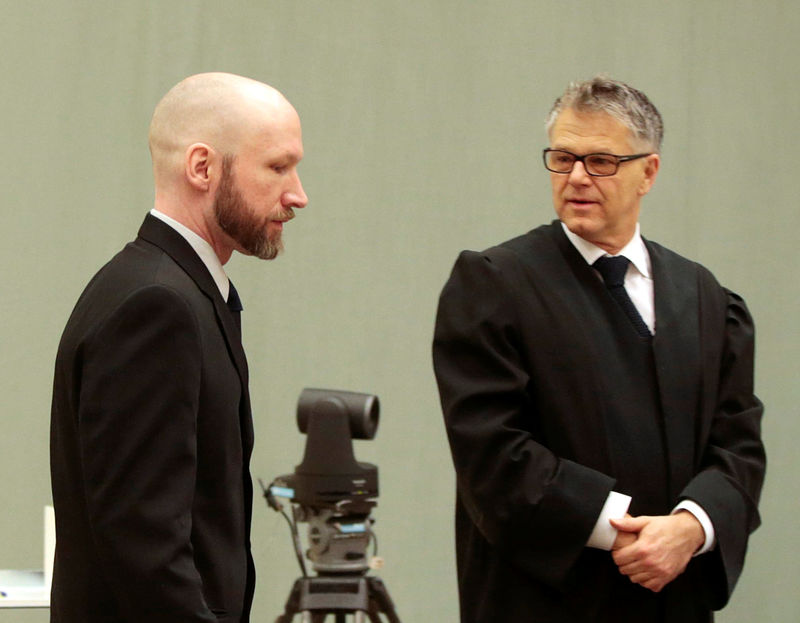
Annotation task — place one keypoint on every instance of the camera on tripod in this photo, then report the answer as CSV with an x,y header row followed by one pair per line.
x,y
335,494
330,490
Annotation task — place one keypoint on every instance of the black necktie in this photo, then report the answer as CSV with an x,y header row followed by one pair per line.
x,y
235,305
613,270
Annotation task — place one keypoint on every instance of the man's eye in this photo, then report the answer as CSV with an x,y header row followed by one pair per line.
x,y
602,161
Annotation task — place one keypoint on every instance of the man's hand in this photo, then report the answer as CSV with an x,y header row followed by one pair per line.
x,y
662,549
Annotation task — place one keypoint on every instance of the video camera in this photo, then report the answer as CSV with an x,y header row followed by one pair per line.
x,y
330,490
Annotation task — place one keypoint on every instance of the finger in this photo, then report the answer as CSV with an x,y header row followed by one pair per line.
x,y
630,524
650,581
639,562
641,574
624,557
642,578
655,584
623,539
631,554
621,557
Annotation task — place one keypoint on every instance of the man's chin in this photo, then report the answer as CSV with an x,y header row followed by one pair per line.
x,y
268,251
579,225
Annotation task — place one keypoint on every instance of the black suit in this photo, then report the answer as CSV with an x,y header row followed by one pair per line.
x,y
151,435
551,400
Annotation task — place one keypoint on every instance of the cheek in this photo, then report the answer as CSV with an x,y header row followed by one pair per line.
x,y
631,192
265,195
608,188
557,184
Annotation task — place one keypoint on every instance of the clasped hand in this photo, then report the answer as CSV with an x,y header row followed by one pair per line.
x,y
653,551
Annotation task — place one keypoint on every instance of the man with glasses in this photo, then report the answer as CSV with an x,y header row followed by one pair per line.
x,y
597,390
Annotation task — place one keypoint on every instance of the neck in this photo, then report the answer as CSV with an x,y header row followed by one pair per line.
x,y
611,245
203,225
612,248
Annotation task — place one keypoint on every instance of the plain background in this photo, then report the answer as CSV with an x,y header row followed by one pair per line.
x,y
423,127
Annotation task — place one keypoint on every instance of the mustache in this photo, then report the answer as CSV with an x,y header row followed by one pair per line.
x,y
284,215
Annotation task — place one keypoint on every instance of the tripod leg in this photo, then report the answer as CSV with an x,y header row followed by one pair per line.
x,y
292,603
381,602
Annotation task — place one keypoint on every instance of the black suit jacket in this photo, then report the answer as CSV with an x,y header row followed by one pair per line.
x,y
527,346
151,435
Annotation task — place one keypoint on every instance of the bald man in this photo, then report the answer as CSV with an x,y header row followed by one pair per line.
x,y
151,430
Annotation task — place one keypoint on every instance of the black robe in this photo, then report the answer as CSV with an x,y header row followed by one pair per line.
x,y
529,350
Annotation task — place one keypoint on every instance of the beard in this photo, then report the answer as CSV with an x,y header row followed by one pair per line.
x,y
238,219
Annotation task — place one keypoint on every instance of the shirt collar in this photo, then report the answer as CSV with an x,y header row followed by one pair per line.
x,y
635,250
203,250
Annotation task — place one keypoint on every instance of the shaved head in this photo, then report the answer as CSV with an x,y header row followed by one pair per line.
x,y
216,109
225,153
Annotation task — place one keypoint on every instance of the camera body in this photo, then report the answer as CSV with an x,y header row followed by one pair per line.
x,y
330,490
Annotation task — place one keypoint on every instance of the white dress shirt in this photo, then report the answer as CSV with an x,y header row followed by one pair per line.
x,y
203,250
639,286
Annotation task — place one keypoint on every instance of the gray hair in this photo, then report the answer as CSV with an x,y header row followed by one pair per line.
x,y
626,104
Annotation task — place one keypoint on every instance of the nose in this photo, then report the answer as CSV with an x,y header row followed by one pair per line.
x,y
578,176
295,197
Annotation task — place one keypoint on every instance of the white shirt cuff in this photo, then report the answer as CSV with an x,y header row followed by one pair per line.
x,y
695,509
604,534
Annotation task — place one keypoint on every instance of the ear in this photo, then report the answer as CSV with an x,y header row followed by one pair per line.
x,y
197,162
651,166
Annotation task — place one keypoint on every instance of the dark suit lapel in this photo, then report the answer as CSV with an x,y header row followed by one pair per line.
x,y
173,244
676,348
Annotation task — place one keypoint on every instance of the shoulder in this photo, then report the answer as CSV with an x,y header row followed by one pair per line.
x,y
531,248
142,264
144,307
715,300
680,267
535,257
488,282
139,281
537,242
661,254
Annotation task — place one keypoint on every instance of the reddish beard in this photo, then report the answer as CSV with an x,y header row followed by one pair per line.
x,y
237,218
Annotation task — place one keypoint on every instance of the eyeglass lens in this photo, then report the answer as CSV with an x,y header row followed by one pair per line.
x,y
595,164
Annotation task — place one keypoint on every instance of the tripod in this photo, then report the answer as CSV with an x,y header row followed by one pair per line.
x,y
315,598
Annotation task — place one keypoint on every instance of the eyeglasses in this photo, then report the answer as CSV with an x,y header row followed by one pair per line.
x,y
596,165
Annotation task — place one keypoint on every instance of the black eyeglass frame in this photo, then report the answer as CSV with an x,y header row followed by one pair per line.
x,y
582,160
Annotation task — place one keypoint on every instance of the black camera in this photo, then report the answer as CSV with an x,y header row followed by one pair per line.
x,y
330,490
334,494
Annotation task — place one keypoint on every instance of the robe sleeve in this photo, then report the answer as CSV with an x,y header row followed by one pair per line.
x,y
728,482
534,507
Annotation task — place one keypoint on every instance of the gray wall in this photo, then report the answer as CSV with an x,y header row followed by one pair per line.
x,y
423,126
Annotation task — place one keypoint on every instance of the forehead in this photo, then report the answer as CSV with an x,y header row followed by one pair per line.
x,y
272,135
586,132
